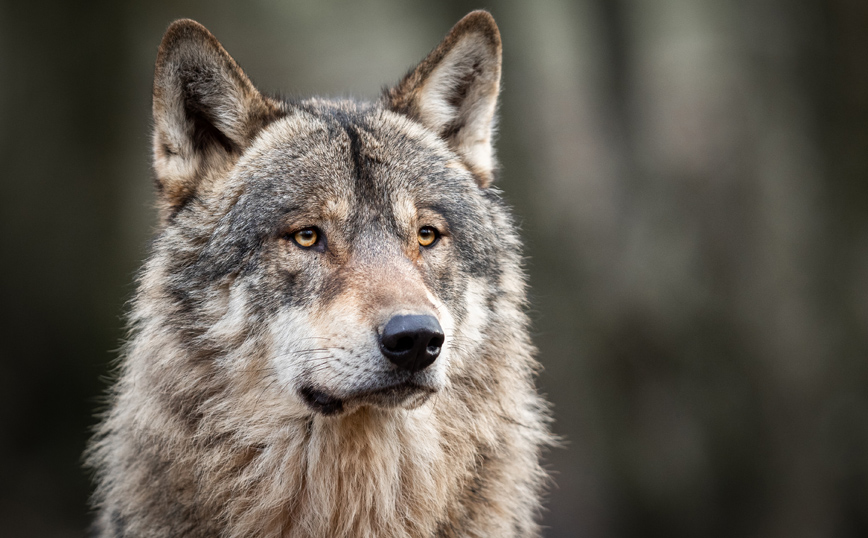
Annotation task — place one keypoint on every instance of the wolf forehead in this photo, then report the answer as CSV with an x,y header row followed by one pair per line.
x,y
342,154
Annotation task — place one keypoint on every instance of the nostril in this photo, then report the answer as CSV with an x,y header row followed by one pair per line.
x,y
435,344
405,343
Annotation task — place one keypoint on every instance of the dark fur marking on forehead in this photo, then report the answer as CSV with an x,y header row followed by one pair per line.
x,y
358,130
360,160
359,168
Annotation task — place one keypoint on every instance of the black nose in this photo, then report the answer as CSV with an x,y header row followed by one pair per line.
x,y
412,342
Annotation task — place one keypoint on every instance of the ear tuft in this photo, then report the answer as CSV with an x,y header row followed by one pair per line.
x,y
453,92
206,112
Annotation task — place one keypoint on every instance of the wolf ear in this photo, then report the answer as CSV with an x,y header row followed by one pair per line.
x,y
454,91
206,112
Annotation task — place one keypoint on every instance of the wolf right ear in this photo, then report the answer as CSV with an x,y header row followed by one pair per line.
x,y
206,112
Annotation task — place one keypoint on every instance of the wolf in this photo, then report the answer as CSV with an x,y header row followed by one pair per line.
x,y
329,337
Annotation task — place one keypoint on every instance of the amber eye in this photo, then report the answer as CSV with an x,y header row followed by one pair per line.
x,y
428,235
306,237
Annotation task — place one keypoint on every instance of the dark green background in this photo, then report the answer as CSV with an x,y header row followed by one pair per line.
x,y
692,181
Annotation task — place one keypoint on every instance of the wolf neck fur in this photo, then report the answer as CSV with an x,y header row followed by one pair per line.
x,y
381,469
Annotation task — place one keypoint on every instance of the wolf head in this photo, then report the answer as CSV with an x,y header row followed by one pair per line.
x,y
333,254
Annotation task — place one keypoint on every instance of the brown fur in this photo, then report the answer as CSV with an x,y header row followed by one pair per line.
x,y
209,432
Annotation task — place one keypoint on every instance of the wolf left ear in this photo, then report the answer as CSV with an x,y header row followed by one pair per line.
x,y
206,112
454,91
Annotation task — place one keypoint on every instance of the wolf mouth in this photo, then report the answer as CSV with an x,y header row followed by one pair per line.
x,y
407,392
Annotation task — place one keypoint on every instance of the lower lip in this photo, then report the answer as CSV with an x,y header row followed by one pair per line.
x,y
322,402
329,405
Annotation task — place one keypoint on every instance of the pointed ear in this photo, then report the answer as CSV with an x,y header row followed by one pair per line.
x,y
206,112
454,91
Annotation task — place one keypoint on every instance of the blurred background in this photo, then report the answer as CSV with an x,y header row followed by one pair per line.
x,y
692,181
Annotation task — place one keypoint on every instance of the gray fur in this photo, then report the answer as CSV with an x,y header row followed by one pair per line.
x,y
252,399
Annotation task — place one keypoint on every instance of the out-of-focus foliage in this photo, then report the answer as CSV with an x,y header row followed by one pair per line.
x,y
692,179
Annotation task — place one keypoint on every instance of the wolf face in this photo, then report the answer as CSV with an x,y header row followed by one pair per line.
x,y
337,230
344,227
328,338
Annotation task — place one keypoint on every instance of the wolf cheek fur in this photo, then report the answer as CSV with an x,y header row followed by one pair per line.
x,y
328,338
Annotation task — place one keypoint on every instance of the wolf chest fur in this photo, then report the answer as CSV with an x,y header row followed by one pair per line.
x,y
328,337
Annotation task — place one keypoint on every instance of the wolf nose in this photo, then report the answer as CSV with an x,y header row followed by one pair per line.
x,y
412,342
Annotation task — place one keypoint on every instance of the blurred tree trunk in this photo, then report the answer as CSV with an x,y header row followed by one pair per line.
x,y
709,162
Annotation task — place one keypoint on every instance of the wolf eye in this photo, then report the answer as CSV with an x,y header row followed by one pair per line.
x,y
306,237
428,235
